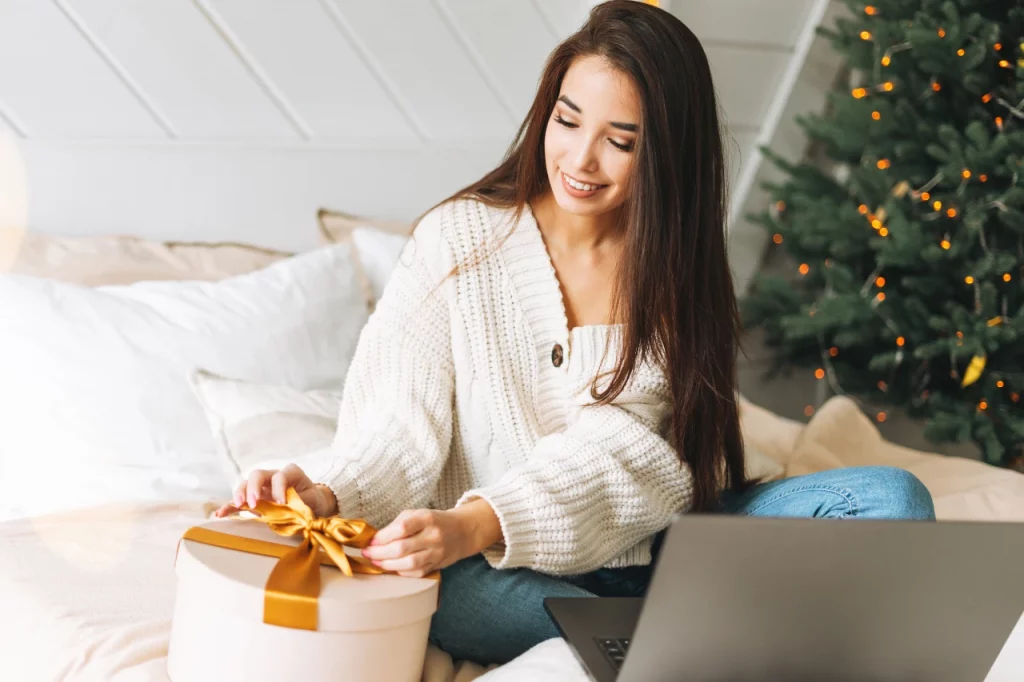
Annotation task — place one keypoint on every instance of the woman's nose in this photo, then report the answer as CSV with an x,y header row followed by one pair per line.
x,y
585,159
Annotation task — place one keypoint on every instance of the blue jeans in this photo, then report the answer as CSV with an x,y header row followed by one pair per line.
x,y
492,616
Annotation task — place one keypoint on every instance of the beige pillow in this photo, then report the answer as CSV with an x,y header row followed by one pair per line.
x,y
262,425
336,226
120,260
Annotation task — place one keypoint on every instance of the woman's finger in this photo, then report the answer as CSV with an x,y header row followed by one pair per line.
x,y
258,479
239,499
279,483
408,523
396,549
418,561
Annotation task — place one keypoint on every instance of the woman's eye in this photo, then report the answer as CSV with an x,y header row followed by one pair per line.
x,y
624,147
561,120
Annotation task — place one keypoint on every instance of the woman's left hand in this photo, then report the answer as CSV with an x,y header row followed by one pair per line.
x,y
421,541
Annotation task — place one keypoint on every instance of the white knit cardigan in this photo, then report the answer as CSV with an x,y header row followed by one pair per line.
x,y
457,391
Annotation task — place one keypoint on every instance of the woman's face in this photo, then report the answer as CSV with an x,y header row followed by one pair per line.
x,y
588,145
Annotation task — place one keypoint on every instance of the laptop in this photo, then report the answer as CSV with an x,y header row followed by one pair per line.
x,y
744,599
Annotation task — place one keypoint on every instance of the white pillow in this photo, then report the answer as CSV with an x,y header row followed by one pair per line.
x,y
378,253
265,426
94,391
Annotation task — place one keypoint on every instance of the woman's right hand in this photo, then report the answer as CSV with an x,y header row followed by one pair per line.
x,y
271,485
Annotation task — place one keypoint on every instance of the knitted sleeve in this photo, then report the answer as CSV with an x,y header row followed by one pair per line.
x,y
395,422
589,493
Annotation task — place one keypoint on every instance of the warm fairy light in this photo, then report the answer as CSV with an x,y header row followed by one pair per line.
x,y
925,196
983,177
1003,63
884,232
808,410
937,205
880,296
935,86
876,115
900,341
982,405
880,282
969,279
1000,384
942,33
998,46
999,122
777,238
1015,397
882,385
828,262
965,174
833,351
1006,277
951,213
780,205
959,335
986,98
865,35
819,373
888,86
876,223
859,92
960,52
945,244
880,416
886,60
863,209
804,268
870,10
883,164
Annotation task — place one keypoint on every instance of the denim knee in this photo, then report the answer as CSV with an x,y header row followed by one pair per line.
x,y
908,498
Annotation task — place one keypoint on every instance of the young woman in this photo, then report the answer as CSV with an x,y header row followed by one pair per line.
x,y
551,372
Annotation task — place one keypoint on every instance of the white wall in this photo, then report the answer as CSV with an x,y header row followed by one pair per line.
x,y
237,119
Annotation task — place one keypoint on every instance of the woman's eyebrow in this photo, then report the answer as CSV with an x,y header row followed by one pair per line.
x,y
628,127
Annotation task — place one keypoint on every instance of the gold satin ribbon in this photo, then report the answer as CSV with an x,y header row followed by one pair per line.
x,y
293,588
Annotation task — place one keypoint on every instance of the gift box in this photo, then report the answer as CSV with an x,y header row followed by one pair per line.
x,y
287,596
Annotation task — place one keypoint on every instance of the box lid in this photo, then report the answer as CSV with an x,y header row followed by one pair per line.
x,y
235,580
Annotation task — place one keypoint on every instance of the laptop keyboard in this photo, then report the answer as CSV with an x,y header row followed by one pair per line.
x,y
614,649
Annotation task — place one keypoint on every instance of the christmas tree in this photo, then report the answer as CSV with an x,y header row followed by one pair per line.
x,y
911,246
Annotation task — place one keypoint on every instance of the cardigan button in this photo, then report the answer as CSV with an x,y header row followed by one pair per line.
x,y
556,355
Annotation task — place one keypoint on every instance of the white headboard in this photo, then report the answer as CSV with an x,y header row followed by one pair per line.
x,y
237,119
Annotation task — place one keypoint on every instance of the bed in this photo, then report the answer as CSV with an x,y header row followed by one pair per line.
x,y
87,550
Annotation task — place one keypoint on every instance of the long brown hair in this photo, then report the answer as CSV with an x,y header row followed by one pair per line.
x,y
674,295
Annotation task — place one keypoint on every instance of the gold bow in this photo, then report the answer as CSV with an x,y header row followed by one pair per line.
x,y
292,590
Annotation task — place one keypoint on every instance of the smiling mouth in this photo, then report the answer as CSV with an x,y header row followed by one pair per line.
x,y
581,186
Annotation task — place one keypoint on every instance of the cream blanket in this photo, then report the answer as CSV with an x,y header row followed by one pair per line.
x,y
88,596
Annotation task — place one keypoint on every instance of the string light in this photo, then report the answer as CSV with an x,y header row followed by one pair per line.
x,y
983,177
863,209
1003,63
1006,277
935,86
883,164
880,296
876,223
808,410
888,86
1015,397
900,341
959,335
880,282
804,268
870,10
777,238
998,46
969,279
951,213
880,416
942,33
960,52
858,93
1000,384
865,35
945,244
925,196
986,98
886,60
937,205
780,206
966,174
833,351
876,115
983,405
999,122
882,385
819,373
884,232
